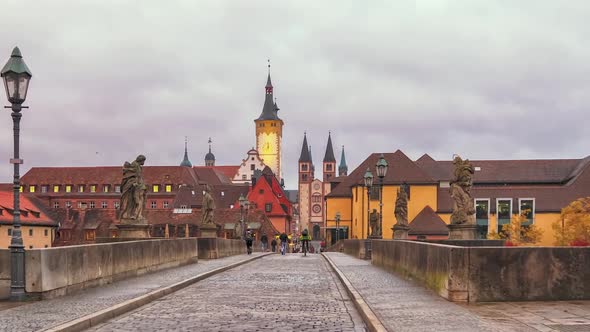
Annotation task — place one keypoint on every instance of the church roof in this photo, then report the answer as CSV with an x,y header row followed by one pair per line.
x,y
269,110
185,161
329,156
305,156
343,160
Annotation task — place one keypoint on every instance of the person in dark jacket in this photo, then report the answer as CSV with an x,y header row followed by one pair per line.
x,y
264,242
273,245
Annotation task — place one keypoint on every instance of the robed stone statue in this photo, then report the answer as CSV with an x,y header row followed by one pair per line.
x,y
463,207
133,191
401,206
208,206
374,222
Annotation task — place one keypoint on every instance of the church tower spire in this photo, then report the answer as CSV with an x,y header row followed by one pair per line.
x,y
185,160
343,168
269,130
329,161
210,157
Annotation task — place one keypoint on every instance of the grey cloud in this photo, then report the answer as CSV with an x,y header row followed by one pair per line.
x,y
489,80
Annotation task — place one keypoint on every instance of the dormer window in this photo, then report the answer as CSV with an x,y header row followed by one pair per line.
x,y
56,189
81,188
44,189
68,188
106,188
156,188
168,188
93,188
32,189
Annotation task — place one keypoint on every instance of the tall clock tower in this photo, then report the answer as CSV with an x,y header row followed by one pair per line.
x,y
269,131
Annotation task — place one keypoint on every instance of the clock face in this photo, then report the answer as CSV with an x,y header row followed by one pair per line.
x,y
267,143
317,208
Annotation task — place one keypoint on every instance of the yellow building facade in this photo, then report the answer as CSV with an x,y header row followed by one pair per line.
x,y
545,186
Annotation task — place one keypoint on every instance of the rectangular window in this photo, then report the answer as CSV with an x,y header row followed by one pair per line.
x,y
106,188
165,204
482,211
117,205
304,168
168,188
56,189
184,207
93,188
527,207
68,204
329,167
32,189
303,177
104,205
268,207
252,167
30,232
117,188
46,232
504,212
20,189
153,205
44,189
81,188
156,188
10,232
92,204
56,205
68,188
81,205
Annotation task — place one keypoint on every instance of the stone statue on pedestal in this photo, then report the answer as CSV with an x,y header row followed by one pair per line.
x,y
401,207
208,206
463,208
133,224
374,222
133,190
463,226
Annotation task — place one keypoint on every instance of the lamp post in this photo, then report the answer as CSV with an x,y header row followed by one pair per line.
x,y
381,168
16,76
337,218
243,203
368,184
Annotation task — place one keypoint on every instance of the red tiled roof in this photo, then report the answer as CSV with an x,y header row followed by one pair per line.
x,y
401,169
508,171
108,175
427,222
32,210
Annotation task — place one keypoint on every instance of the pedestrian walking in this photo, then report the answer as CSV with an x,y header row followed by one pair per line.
x,y
284,239
249,241
264,242
273,245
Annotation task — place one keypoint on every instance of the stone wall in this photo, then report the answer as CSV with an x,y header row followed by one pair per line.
x,y
482,274
355,248
442,268
61,270
213,248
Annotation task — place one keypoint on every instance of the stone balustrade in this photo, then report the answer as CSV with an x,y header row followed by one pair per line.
x,y
484,274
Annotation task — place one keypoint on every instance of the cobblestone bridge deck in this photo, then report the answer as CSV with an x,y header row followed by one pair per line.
x,y
289,293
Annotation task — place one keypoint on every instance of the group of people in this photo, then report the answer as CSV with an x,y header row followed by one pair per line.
x,y
284,242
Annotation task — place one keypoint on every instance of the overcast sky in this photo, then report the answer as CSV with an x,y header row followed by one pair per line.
x,y
484,79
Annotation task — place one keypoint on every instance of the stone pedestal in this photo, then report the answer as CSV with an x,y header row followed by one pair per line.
x,y
462,232
208,230
133,231
400,231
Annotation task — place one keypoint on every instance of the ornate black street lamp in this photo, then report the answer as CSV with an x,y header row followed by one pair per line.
x,y
16,76
368,184
243,203
381,168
